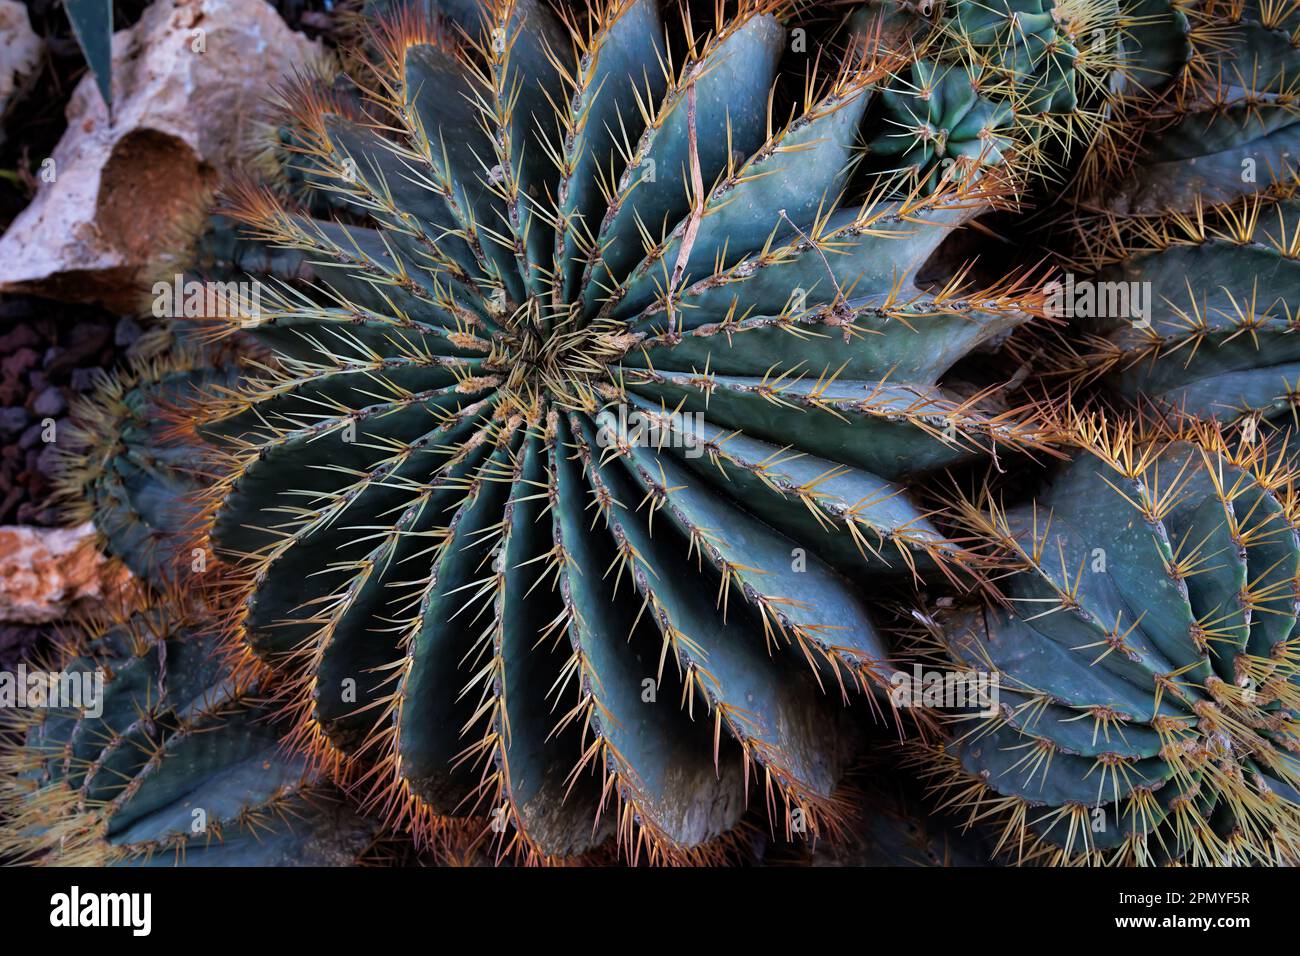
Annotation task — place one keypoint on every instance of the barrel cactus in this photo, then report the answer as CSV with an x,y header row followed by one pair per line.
x,y
940,118
1204,111
1178,251
125,464
162,757
583,378
1028,76
1145,657
1192,316
550,498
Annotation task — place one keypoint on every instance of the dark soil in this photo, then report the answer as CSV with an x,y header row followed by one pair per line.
x,y
49,353
18,642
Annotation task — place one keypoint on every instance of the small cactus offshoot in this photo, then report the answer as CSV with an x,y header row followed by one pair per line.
x,y
124,467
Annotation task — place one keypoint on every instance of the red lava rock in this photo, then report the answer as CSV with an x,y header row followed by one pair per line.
x,y
47,573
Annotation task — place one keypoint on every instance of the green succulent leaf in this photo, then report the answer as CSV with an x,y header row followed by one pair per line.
x,y
92,25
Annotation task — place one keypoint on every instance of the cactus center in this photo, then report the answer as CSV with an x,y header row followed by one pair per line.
x,y
556,351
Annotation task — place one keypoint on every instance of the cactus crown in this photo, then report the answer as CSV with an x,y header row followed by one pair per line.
x,y
608,379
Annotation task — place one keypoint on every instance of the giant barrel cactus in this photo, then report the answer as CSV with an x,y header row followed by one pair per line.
x,y
552,497
1146,660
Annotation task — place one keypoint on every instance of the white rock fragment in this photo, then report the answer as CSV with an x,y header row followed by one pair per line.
x,y
47,573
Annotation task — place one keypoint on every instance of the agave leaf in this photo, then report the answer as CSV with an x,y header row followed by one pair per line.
x,y
92,24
